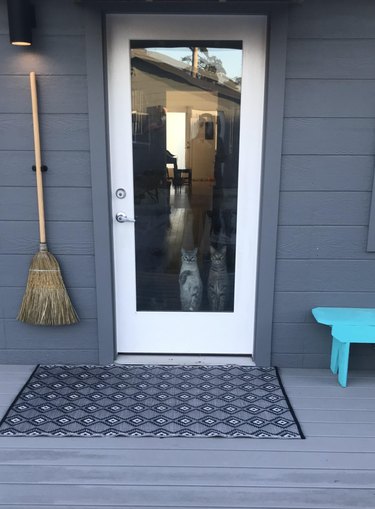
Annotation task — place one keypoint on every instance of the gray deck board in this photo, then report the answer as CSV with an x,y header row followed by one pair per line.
x,y
92,506
187,458
172,496
314,444
191,476
333,468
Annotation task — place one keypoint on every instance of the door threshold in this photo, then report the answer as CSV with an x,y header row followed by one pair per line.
x,y
241,360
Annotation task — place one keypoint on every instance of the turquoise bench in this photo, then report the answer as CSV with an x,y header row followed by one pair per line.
x,y
349,325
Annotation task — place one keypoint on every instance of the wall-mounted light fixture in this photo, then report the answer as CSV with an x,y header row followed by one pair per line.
x,y
21,21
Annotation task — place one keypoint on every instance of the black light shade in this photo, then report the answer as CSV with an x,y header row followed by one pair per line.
x,y
21,21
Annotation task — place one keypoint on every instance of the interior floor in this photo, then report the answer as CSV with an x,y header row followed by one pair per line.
x,y
179,217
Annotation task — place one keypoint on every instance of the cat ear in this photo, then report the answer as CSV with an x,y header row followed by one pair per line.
x,y
212,250
223,250
195,250
183,251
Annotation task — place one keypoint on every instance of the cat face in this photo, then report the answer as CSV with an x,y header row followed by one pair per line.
x,y
218,255
189,256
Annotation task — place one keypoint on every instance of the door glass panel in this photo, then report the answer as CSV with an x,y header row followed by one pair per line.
x,y
185,122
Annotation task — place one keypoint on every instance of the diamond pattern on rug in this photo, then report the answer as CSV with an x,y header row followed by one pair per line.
x,y
152,400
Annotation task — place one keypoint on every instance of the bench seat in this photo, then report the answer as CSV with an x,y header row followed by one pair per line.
x,y
349,325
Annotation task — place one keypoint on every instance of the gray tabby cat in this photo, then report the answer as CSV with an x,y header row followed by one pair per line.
x,y
190,281
217,285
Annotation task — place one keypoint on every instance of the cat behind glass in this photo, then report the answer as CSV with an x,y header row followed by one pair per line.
x,y
217,284
190,281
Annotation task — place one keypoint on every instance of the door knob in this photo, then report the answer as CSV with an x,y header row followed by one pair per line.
x,y
123,218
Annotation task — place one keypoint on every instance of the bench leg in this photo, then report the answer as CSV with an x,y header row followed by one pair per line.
x,y
335,355
343,363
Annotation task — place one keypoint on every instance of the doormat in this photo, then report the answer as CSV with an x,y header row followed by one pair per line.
x,y
152,400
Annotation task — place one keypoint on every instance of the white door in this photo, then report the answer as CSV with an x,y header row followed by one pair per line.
x,y
185,270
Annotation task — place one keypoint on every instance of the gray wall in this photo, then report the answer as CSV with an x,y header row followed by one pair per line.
x,y
327,173
58,57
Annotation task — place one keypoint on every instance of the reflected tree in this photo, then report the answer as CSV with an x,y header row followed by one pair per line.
x,y
204,65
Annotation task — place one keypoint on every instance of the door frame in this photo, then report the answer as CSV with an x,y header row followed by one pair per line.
x,y
277,16
134,327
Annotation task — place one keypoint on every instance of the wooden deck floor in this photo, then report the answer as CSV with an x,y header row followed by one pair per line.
x,y
333,468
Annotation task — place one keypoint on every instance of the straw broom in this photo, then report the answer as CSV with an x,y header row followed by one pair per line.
x,y
46,301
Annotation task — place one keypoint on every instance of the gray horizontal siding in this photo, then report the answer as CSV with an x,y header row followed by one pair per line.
x,y
326,180
323,242
65,168
55,356
59,132
327,173
296,306
62,55
327,176
2,337
58,58
314,340
325,275
72,97
74,238
325,136
21,336
324,208
300,338
333,19
330,98
62,204
331,58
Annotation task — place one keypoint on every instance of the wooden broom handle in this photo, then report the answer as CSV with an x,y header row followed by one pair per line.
x,y
38,159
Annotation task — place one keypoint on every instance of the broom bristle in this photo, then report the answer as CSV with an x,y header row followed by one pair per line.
x,y
46,301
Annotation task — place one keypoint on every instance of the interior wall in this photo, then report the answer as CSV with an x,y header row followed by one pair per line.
x,y
176,136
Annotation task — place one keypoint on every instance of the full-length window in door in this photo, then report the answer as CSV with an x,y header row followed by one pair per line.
x,y
185,130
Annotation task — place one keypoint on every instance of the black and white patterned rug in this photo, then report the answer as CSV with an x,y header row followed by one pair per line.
x,y
152,400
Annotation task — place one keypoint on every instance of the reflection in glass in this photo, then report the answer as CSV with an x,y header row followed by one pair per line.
x,y
185,121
